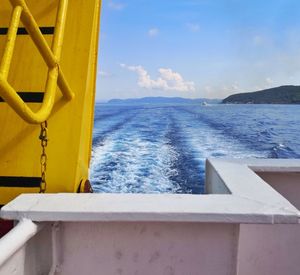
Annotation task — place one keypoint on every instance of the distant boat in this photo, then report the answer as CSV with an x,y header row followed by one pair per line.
x,y
204,103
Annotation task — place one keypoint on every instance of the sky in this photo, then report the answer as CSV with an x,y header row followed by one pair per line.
x,y
196,48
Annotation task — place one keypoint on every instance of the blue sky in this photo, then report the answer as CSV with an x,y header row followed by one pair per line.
x,y
204,48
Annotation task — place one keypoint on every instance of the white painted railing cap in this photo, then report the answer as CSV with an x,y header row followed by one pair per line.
x,y
250,200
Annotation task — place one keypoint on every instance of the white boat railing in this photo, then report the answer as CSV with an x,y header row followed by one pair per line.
x,y
16,238
247,223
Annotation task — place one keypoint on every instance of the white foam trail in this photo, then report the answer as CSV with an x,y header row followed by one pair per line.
x,y
129,162
207,142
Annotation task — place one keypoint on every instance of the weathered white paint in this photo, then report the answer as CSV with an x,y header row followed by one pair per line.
x,y
214,184
249,227
287,184
240,178
33,258
56,248
16,238
272,249
149,248
269,249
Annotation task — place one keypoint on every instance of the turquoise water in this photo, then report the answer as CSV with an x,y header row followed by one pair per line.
x,y
162,149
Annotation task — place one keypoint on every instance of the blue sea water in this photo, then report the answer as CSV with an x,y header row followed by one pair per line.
x,y
162,149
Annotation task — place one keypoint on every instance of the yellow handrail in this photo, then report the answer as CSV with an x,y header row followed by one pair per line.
x,y
51,57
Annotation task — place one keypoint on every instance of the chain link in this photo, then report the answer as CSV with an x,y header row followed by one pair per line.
x,y
43,160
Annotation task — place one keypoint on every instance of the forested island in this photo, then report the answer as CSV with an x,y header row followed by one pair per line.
x,y
279,95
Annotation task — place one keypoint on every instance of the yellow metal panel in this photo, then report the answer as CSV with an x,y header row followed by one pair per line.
x,y
50,56
70,124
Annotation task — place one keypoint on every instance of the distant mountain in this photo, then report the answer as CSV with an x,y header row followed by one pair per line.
x,y
279,95
161,100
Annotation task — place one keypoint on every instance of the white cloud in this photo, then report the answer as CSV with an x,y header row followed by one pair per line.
x,y
167,80
269,81
233,88
115,5
104,74
261,40
193,27
257,40
221,90
262,84
153,32
208,89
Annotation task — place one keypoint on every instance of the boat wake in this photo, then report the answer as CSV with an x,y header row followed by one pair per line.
x,y
162,149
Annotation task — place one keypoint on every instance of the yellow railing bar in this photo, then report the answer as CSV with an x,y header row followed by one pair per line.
x,y
35,33
64,85
50,56
11,39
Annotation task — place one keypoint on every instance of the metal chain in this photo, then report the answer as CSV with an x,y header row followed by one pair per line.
x,y
43,161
